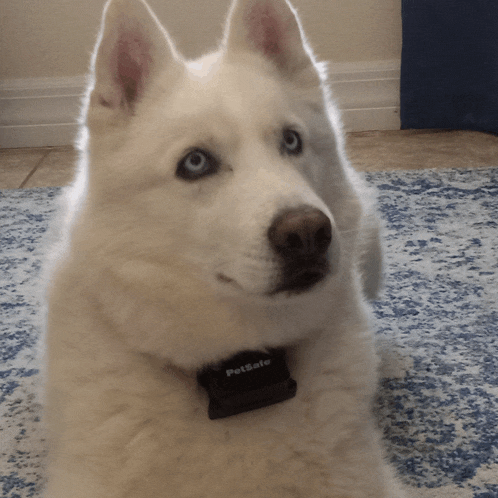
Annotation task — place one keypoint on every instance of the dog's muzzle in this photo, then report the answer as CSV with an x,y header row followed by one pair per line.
x,y
301,238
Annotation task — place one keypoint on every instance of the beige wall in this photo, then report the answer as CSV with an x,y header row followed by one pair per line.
x,y
49,38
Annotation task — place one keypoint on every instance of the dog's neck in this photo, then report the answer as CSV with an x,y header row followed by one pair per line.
x,y
246,381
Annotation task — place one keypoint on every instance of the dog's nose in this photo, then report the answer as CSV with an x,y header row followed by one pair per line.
x,y
303,232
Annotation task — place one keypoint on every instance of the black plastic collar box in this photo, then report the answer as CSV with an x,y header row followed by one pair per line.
x,y
247,381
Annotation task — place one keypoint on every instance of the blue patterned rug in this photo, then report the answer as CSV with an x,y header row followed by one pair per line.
x,y
436,322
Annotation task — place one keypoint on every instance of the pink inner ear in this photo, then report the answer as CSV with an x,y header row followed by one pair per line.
x,y
265,29
132,64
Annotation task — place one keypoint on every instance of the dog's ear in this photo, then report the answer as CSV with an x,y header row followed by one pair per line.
x,y
131,50
270,28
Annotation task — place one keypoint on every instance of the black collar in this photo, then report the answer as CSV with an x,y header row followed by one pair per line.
x,y
247,381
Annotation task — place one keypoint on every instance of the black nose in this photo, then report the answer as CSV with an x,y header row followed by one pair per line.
x,y
301,233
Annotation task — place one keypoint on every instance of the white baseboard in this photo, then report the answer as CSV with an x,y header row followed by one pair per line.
x,y
367,94
40,112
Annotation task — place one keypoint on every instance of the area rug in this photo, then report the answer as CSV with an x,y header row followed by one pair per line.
x,y
436,323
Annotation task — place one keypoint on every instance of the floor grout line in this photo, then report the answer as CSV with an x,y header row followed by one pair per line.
x,y
36,166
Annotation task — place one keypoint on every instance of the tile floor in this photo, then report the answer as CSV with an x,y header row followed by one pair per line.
x,y
368,151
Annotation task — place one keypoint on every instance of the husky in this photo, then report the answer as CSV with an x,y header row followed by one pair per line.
x,y
214,215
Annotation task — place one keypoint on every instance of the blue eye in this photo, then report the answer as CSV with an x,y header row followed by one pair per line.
x,y
291,142
196,164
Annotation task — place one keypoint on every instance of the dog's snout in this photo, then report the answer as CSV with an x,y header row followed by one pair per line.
x,y
303,232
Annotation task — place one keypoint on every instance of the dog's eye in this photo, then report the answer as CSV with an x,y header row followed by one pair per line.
x,y
196,164
291,142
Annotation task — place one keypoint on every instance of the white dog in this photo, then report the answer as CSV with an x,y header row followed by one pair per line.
x,y
214,214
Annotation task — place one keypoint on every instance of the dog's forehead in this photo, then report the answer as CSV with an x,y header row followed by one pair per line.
x,y
234,92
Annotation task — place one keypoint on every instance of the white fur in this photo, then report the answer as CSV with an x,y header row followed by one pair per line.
x,y
137,303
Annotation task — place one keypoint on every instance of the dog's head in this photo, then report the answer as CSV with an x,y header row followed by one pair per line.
x,y
231,163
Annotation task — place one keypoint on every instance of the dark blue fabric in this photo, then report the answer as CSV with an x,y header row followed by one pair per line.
x,y
449,64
